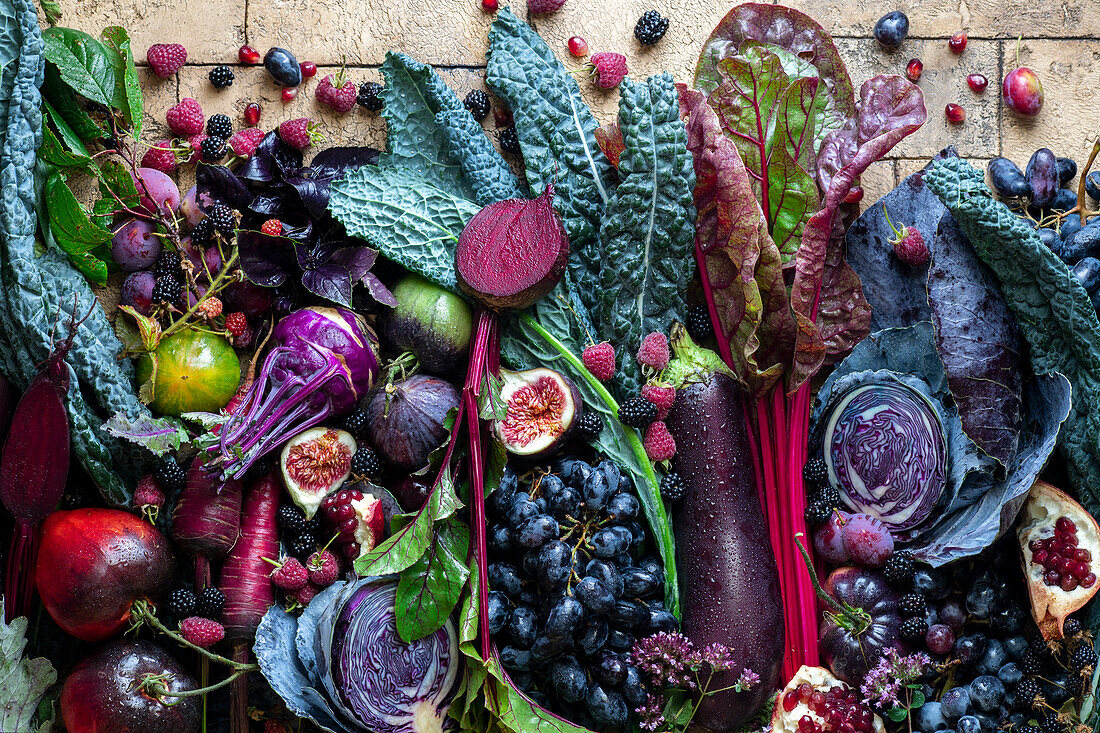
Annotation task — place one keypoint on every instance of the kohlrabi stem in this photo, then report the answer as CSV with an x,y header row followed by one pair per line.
x,y
155,687
859,618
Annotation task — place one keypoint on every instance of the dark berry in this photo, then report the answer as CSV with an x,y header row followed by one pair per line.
x,y
913,629
815,473
698,323
899,569
219,125
912,604
637,412
221,77
1071,627
181,603
509,140
210,602
672,488
588,427
212,149
356,423
650,28
1075,686
892,29
168,263
1030,662
221,218
828,496
370,96
817,513
169,474
477,102
290,518
366,463
1026,692
303,544
1083,655
167,289
202,234
1052,724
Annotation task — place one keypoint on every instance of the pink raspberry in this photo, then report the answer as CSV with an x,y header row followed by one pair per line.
x,y
323,568
908,243
166,58
244,142
185,119
539,7
210,308
160,157
202,632
291,575
661,395
653,352
299,133
609,68
600,360
337,93
195,144
305,595
659,444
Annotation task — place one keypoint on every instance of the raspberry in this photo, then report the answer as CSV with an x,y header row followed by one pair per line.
x,y
195,143
637,412
661,395
212,149
540,7
323,568
219,125
366,463
609,69
336,93
244,142
272,228
185,118
650,28
588,427
275,726
672,487
600,360
653,352
369,96
509,140
210,602
202,632
167,289
659,444
160,157
299,133
221,77
166,58
477,102
305,595
489,6
210,308
221,218
908,243
236,323
169,474
181,603
291,575
148,497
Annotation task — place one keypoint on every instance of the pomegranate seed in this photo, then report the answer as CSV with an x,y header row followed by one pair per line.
x,y
578,46
1051,577
806,724
1080,570
1035,545
1082,554
958,42
489,6
817,699
790,700
805,690
977,82
1040,557
502,117
1088,581
309,69
252,114
1068,583
1065,524
854,196
956,115
289,93
913,70
248,55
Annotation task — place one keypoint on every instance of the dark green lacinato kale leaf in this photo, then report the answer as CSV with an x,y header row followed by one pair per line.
x,y
486,174
1052,309
648,229
556,133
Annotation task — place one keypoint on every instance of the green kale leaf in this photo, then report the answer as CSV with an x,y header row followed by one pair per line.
x,y
23,681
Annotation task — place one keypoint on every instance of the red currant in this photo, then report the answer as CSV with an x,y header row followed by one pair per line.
x,y
958,42
913,70
977,82
956,115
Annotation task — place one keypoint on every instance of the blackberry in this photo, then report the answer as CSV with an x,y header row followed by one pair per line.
x,y
1026,692
815,473
290,518
167,289
202,234
477,102
1071,627
210,602
169,474
1052,724
637,412
698,323
672,487
222,219
221,77
899,569
509,140
212,149
1083,655
912,604
588,427
181,603
828,495
1075,686
356,423
650,28
303,545
168,263
817,513
219,125
913,629
370,96
366,463
1030,662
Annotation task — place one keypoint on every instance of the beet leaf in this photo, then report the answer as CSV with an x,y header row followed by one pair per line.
x,y
430,590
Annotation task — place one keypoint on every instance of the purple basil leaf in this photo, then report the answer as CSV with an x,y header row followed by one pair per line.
x,y
267,261
378,291
329,281
220,184
356,260
333,162
272,161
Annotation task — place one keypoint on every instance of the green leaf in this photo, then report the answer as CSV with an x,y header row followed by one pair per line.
x,y
74,232
54,153
918,699
65,106
444,501
116,190
52,10
405,217
158,435
84,63
429,590
68,135
401,549
648,229
897,714
485,173
128,96
490,405
556,132
23,681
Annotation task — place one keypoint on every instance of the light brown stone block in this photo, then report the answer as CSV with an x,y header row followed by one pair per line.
x,y
877,181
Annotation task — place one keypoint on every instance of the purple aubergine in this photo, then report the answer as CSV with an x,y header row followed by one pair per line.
x,y
728,579
851,643
1042,176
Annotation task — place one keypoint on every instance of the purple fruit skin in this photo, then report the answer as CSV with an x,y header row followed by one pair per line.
x,y
1042,174
137,291
859,537
135,246
413,426
847,654
829,539
729,581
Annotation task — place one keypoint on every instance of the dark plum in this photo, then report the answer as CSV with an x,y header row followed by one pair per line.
x,y
135,245
283,66
1007,179
137,291
1042,176
1067,170
892,29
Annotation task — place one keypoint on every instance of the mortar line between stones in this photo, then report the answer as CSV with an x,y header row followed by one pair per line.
x,y
1000,107
246,23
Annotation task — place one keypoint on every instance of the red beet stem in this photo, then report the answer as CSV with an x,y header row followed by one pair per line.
x,y
19,575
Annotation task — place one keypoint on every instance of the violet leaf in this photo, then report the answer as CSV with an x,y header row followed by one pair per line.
x,y
890,109
265,260
429,590
378,291
786,28
273,160
312,183
218,183
739,265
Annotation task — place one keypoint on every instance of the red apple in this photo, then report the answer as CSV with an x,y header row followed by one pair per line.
x,y
1022,91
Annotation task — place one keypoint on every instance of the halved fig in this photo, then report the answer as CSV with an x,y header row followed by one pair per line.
x,y
542,406
1059,541
815,693
315,463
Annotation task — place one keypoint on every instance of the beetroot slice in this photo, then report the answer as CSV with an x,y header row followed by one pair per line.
x,y
512,252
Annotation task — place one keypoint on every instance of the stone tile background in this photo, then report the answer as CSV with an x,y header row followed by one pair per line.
x,y
1060,39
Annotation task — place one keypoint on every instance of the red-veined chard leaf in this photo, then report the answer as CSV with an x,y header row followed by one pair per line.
x,y
739,264
610,139
890,109
429,590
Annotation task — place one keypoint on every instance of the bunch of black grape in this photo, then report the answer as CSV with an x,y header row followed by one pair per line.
x,y
571,588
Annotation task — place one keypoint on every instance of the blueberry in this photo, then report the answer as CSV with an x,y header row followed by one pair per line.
x,y
1010,674
1067,170
989,723
968,724
594,595
1007,179
569,680
980,599
930,717
522,627
891,29
1092,185
1015,646
955,703
931,583
1087,272
987,692
499,608
994,658
283,67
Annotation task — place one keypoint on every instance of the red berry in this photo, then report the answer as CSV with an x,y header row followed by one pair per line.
x,y
185,118
977,82
855,195
289,93
600,360
957,43
291,575
323,568
252,114
337,94
305,595
166,58
244,142
236,323
272,228
661,395
309,69
489,6
913,70
659,444
248,55
653,352
578,46
299,133
202,632
502,117
160,157
1022,91
609,69
956,115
